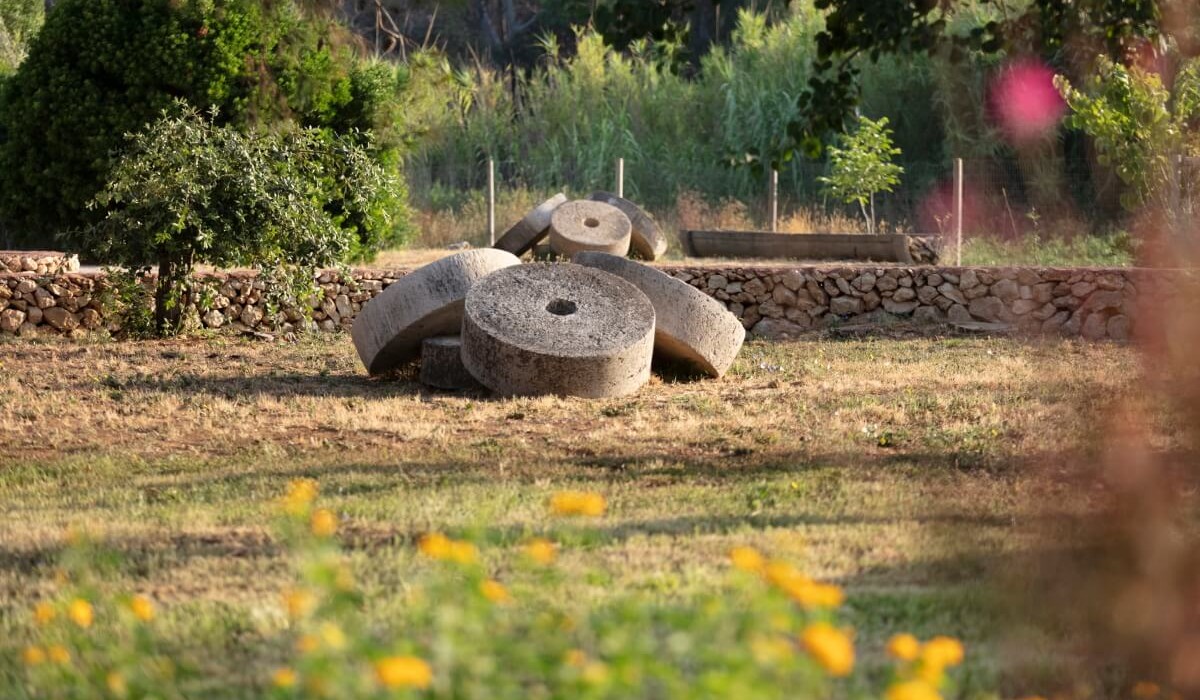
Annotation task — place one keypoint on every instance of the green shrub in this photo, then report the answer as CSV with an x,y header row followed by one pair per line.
x,y
20,21
103,68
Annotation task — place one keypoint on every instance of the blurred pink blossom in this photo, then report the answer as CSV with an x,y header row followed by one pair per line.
x,y
1024,100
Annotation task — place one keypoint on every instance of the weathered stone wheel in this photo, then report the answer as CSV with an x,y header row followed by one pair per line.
x,y
647,239
558,329
585,225
441,364
526,233
424,303
689,325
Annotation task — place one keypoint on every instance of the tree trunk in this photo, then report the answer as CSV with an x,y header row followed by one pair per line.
x,y
172,294
866,216
871,228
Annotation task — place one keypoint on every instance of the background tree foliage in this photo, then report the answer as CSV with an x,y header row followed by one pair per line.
x,y
103,68
19,23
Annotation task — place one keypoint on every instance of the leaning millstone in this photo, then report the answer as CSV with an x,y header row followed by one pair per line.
x,y
585,225
424,303
689,325
558,329
441,364
647,238
526,233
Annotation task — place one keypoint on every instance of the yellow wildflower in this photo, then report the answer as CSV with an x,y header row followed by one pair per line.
x,y
300,495
746,559
403,672
770,650
463,552
81,613
283,678
323,522
307,643
904,647
541,551
1145,690
435,545
33,656
912,690
333,636
941,652
831,647
43,613
812,595
116,684
298,602
495,591
582,503
142,608
594,672
782,574
58,654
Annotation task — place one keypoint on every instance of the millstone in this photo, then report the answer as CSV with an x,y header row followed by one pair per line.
x,y
647,239
586,225
563,329
689,325
424,303
528,231
441,364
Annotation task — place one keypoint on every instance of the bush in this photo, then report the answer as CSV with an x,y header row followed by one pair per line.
x,y
187,191
103,68
19,22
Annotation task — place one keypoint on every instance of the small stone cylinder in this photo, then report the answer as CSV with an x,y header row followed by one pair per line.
x,y
441,364
585,225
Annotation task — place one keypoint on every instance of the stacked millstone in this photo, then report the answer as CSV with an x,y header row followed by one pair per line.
x,y
603,222
590,328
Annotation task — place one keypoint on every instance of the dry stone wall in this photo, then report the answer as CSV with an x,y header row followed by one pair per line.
x,y
773,302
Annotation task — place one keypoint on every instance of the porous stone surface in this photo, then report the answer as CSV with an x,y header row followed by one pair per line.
x,y
441,364
558,329
526,233
586,225
42,262
646,239
689,325
426,302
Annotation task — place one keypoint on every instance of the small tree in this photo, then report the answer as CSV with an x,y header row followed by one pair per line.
x,y
187,191
863,166
1137,125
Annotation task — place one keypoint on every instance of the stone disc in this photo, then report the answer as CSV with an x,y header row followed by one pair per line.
x,y
647,238
544,328
586,225
441,364
424,303
689,325
528,231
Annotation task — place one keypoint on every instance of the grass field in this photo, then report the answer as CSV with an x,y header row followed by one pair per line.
x,y
905,470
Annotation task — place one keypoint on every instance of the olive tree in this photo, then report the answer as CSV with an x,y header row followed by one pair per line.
x,y
862,166
188,191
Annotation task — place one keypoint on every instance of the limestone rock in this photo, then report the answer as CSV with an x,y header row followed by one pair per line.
x,y
646,238
442,366
61,319
585,225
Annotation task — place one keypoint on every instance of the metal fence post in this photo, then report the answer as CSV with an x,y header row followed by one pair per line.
x,y
491,202
774,200
958,211
620,177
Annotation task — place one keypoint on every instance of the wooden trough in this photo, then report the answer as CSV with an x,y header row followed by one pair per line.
x,y
808,246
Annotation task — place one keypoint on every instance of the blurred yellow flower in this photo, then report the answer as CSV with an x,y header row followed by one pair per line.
x,y
1145,690
403,672
43,613
770,650
782,574
33,656
80,612
307,643
941,652
831,647
298,602
323,523
463,552
300,495
912,690
58,654
142,608
437,546
283,678
333,636
747,559
116,684
904,647
583,503
541,551
495,591
594,672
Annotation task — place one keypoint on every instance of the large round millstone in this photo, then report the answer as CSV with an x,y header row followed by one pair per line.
x,y
424,303
647,239
526,233
689,325
558,328
586,225
441,364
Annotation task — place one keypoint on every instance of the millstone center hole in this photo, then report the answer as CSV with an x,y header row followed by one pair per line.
x,y
561,307
591,222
